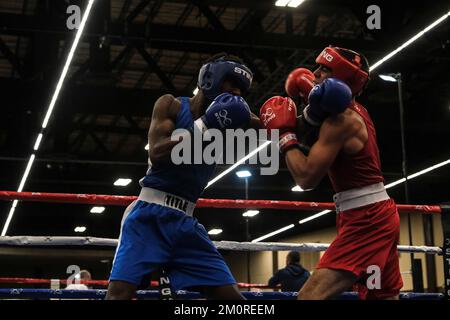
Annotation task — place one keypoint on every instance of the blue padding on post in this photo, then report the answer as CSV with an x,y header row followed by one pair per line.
x,y
421,296
182,295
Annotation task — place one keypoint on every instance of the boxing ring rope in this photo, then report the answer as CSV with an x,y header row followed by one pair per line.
x,y
106,282
60,281
28,241
116,200
183,295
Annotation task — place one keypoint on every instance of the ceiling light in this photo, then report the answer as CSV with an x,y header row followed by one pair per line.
x,y
8,219
295,3
288,3
243,174
282,3
122,182
26,173
250,213
97,209
80,229
52,104
408,42
273,233
438,165
387,77
215,231
38,142
393,184
67,64
314,216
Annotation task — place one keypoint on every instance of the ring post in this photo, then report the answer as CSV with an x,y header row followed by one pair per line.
x,y
445,216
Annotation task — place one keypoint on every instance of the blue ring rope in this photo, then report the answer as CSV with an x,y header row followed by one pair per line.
x,y
181,295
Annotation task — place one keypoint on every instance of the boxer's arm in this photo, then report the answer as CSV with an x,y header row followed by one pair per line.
x,y
307,171
161,128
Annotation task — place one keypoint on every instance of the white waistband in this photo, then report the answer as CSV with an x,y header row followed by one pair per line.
x,y
360,197
167,200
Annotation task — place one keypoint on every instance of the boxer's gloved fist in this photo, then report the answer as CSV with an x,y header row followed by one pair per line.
x,y
280,113
299,83
330,97
227,111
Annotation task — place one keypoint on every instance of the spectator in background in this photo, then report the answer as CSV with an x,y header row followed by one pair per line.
x,y
293,276
84,275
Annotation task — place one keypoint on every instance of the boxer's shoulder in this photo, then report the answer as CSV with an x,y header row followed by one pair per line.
x,y
167,106
348,121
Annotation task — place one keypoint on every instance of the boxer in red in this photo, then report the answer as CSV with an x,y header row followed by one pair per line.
x,y
364,252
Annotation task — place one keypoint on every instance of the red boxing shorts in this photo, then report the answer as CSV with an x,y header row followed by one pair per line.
x,y
367,243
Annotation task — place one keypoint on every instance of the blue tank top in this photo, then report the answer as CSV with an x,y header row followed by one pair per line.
x,y
184,180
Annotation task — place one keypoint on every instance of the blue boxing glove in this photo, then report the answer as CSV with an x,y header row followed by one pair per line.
x,y
330,97
227,111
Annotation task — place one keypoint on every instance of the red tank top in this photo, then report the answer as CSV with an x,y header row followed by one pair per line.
x,y
360,169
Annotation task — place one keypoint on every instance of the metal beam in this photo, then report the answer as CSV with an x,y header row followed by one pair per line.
x,y
206,11
99,143
185,14
123,12
78,142
81,71
122,59
152,14
154,66
24,8
11,57
177,37
141,133
137,10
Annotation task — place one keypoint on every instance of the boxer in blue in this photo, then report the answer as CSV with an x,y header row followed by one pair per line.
x,y
158,229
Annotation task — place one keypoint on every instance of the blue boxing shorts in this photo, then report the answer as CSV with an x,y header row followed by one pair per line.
x,y
155,235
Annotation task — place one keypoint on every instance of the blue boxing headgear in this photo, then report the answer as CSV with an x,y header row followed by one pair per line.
x,y
212,75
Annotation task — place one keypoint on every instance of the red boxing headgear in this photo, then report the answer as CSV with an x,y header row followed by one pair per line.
x,y
343,69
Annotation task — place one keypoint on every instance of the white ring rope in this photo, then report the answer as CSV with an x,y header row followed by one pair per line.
x,y
223,245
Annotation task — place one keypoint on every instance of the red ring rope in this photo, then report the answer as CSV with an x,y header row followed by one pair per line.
x,y
201,203
102,282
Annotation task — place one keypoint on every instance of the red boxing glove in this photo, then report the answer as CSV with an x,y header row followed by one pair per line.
x,y
280,113
299,83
